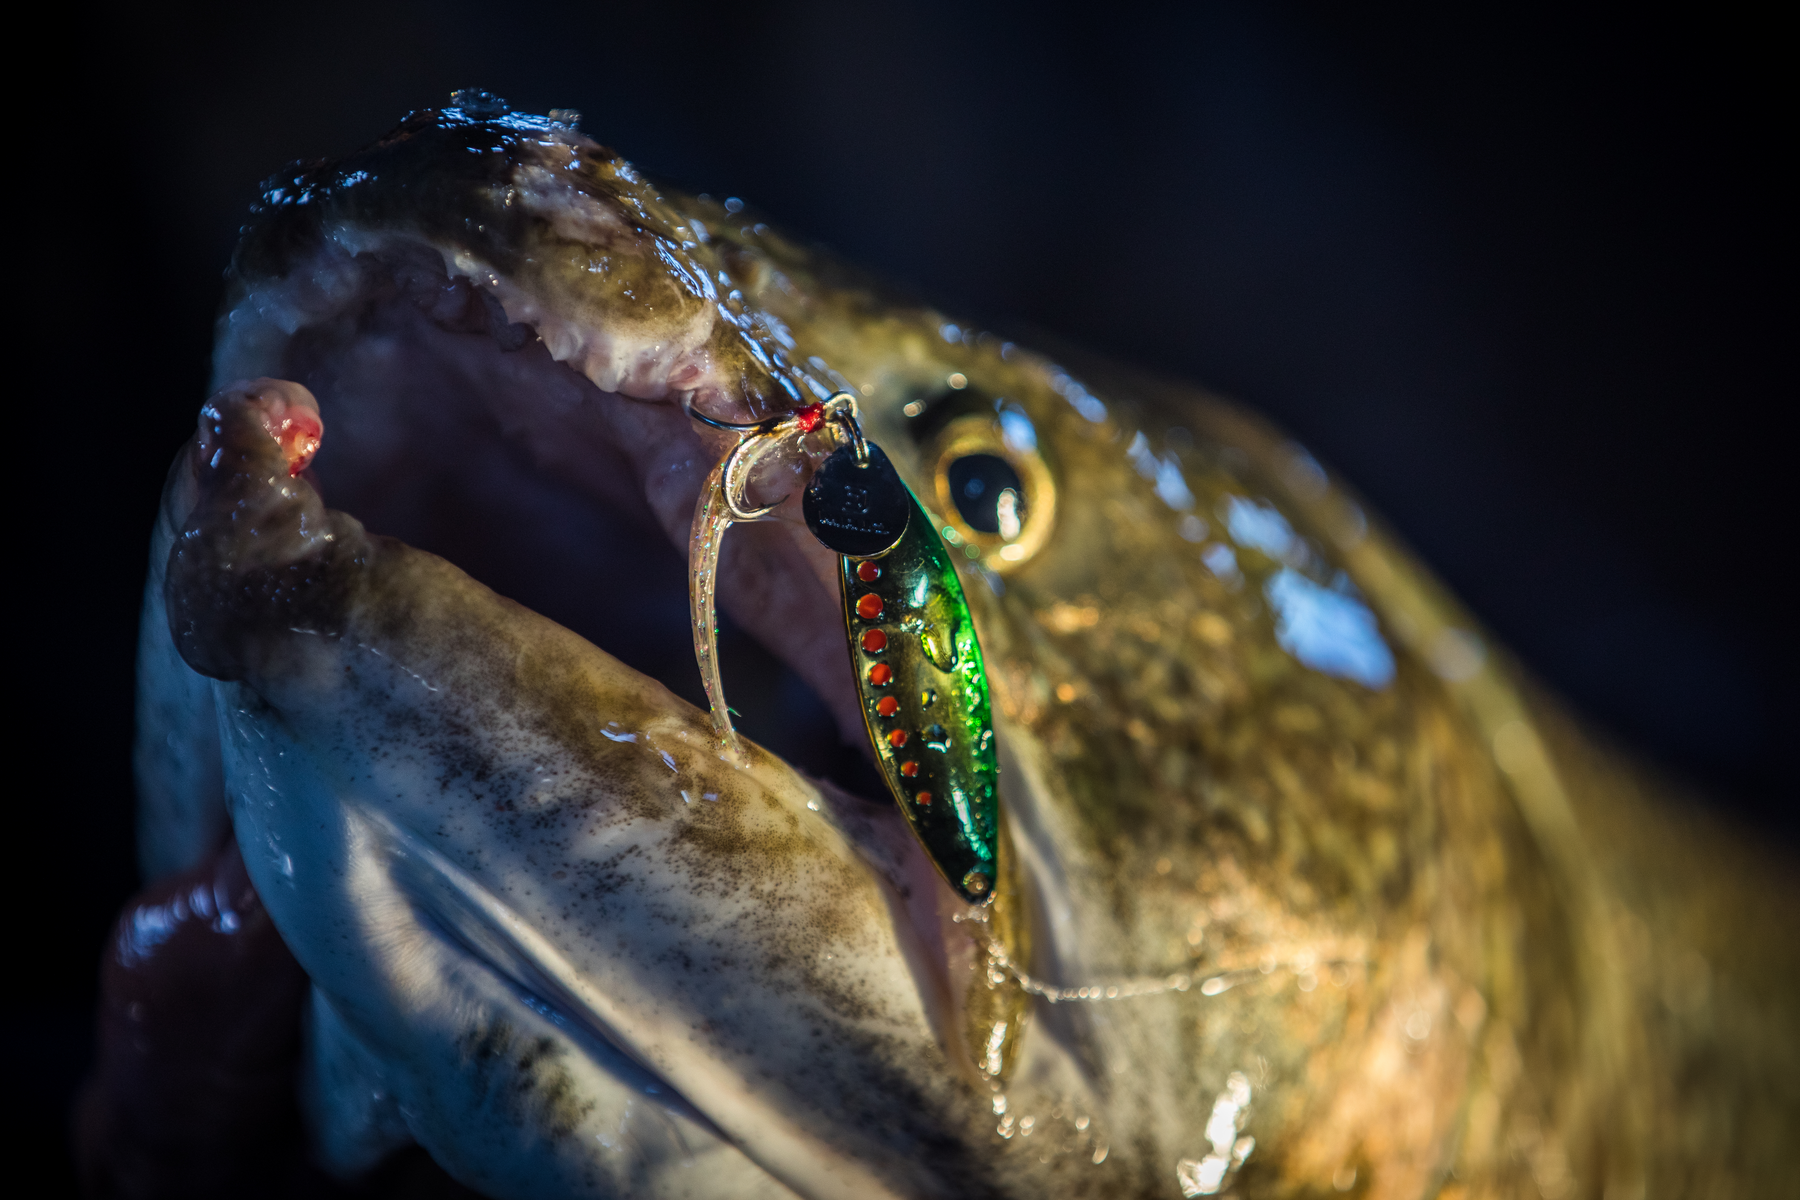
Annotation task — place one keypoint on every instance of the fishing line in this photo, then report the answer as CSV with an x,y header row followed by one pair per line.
x,y
1128,989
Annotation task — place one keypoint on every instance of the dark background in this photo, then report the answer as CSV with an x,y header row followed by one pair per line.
x,y
1518,275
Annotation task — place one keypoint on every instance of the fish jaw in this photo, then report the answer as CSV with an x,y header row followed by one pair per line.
x,y
563,233
465,819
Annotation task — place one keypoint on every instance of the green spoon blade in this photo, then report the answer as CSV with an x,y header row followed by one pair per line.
x,y
924,693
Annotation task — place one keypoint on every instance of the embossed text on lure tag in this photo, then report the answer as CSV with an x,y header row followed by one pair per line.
x,y
857,508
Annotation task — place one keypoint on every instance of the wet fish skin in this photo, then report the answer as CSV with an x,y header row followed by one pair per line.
x,y
1499,961
1572,904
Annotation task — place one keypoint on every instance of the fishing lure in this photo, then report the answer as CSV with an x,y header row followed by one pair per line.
x,y
913,651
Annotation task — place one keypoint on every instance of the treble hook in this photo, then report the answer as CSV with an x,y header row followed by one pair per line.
x,y
757,439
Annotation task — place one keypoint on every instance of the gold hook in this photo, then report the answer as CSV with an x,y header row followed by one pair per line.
x,y
756,441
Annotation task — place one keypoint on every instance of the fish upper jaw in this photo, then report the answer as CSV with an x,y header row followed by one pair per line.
x,y
569,244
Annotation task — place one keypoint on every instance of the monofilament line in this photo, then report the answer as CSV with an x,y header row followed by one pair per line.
x,y
1123,989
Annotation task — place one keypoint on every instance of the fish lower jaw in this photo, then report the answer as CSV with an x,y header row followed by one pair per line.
x,y
388,715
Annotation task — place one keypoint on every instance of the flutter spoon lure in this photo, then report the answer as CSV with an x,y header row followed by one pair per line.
x,y
918,667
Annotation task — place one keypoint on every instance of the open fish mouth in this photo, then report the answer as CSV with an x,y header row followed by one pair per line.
x,y
418,609
555,934
1290,891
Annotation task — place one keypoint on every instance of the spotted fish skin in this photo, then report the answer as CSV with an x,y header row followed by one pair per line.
x,y
924,692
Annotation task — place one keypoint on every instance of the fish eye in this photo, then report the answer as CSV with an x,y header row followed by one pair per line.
x,y
992,488
988,493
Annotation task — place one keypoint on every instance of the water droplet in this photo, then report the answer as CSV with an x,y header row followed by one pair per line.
x,y
478,103
939,644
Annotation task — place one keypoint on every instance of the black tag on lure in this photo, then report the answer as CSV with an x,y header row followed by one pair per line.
x,y
859,510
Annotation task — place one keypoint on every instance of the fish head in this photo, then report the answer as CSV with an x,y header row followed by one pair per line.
x,y
416,603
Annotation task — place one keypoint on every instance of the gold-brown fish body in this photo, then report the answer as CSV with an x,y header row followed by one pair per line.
x,y
1460,946
1301,885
